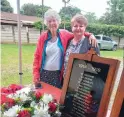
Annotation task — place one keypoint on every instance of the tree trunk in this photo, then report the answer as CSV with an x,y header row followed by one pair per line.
x,y
119,39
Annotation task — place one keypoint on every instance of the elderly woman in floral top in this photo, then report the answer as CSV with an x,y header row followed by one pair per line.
x,y
80,43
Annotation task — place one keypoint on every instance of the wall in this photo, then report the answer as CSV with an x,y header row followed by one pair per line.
x,y
9,34
121,41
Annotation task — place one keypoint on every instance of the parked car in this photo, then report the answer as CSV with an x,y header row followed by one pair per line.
x,y
105,42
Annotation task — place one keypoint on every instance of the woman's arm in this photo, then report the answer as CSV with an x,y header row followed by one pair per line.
x,y
37,58
91,37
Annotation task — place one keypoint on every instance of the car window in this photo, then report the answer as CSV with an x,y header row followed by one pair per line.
x,y
98,37
106,39
109,39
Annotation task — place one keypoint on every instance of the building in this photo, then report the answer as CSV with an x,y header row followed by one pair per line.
x,y
9,30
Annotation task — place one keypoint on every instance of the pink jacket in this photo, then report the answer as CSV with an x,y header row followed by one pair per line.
x,y
65,36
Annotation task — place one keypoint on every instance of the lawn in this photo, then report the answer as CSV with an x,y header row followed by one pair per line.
x,y
10,67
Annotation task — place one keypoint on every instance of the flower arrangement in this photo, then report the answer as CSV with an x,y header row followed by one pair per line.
x,y
11,89
30,103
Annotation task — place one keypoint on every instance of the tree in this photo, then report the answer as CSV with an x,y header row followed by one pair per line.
x,y
115,13
91,17
33,10
6,7
105,19
68,12
121,5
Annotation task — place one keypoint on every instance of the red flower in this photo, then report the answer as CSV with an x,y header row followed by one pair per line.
x,y
52,107
38,94
6,90
54,101
15,87
11,89
9,102
24,113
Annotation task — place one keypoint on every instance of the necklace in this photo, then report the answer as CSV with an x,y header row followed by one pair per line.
x,y
53,39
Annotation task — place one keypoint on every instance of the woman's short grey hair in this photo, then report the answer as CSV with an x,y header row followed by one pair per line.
x,y
51,14
81,19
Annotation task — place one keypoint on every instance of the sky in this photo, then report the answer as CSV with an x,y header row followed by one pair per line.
x,y
96,6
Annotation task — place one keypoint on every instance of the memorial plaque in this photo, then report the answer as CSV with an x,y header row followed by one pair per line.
x,y
118,106
121,114
87,84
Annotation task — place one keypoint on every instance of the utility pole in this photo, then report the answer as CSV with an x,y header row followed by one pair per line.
x,y
42,15
65,2
19,42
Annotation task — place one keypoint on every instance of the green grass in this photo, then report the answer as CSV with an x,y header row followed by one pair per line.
x,y
10,65
112,54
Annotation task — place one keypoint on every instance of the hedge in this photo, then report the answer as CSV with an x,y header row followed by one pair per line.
x,y
109,30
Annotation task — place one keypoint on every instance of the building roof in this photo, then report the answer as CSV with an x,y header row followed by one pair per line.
x,y
11,18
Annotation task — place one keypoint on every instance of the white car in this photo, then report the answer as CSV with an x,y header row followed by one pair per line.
x,y
105,42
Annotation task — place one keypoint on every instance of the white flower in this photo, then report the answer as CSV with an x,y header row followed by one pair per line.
x,y
47,98
12,112
23,96
13,96
58,113
41,111
26,90
19,92
32,104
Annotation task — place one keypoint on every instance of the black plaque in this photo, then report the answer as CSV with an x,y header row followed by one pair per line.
x,y
122,110
85,88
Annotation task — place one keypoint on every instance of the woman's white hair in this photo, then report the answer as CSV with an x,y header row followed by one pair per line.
x,y
51,14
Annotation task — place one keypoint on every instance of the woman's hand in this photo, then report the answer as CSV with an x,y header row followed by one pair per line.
x,y
36,80
93,40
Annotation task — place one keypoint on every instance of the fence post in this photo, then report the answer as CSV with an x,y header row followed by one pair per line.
x,y
27,33
13,34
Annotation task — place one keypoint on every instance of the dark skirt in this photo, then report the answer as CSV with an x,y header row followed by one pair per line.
x,y
51,77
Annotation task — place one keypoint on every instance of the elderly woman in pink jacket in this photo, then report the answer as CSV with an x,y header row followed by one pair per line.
x,y
50,51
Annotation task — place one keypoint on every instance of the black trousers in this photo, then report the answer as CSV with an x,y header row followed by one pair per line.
x,y
51,77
